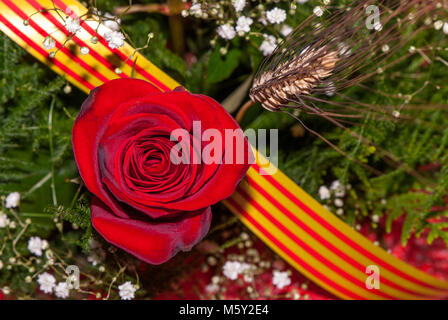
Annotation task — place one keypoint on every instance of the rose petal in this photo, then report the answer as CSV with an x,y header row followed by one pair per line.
x,y
152,242
90,125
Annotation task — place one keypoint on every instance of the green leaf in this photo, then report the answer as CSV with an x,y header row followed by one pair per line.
x,y
221,67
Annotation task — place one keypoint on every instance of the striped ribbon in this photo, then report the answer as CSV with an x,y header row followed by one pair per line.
x,y
286,218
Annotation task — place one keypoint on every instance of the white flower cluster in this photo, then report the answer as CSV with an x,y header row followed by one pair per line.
x,y
127,291
239,5
337,190
4,221
238,18
281,279
36,245
232,269
115,39
439,24
12,200
268,45
47,284
73,25
226,31
276,15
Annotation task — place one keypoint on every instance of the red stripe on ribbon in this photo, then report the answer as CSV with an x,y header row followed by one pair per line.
x,y
117,52
339,234
291,254
306,247
62,28
43,33
318,237
44,53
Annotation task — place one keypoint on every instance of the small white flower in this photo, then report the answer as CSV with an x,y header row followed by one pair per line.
x,y
84,50
445,28
239,5
111,23
268,45
4,221
438,24
232,269
281,279
339,211
196,10
243,24
338,188
115,39
46,282
72,25
226,31
286,30
127,291
12,200
324,193
1,265
302,1
276,15
338,202
318,11
49,43
36,245
375,218
61,290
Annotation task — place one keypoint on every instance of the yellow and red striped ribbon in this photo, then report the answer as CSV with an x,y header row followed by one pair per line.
x,y
286,218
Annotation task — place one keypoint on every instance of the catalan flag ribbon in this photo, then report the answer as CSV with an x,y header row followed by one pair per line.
x,y
285,217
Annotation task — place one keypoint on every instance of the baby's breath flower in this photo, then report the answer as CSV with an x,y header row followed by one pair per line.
x,y
84,50
438,24
285,30
12,200
196,10
61,290
239,5
72,25
338,188
4,221
445,28
276,15
281,279
36,245
324,193
268,45
49,43
232,269
243,24
111,23
226,31
46,282
338,202
127,291
115,39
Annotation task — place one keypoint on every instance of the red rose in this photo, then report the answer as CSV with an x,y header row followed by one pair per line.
x,y
143,202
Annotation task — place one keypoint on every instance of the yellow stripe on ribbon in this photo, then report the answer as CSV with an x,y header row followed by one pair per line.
x,y
285,217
